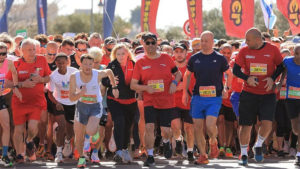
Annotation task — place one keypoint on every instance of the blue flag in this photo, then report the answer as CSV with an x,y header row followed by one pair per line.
x,y
41,8
108,17
3,20
269,16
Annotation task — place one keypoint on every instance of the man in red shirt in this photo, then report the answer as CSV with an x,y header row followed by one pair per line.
x,y
152,75
33,72
109,44
262,64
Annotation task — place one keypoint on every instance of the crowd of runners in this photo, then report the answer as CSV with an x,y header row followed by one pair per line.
x,y
89,98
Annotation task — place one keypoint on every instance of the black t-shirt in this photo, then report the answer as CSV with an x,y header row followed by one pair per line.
x,y
208,70
52,66
73,61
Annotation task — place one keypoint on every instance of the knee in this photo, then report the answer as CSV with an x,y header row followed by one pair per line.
x,y
149,128
175,126
91,131
188,128
221,120
5,127
61,124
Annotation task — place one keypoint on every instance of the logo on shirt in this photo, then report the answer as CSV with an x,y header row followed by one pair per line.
x,y
163,65
146,67
197,61
250,57
65,85
214,61
267,55
23,72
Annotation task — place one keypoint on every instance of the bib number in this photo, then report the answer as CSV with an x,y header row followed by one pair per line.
x,y
158,85
282,93
294,92
64,94
89,99
258,69
207,91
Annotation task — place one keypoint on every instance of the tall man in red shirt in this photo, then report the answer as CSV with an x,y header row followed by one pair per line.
x,y
262,64
33,72
152,75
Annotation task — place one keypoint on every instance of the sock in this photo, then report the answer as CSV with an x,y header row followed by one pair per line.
x,y
166,140
298,154
95,150
4,150
190,149
244,150
150,152
260,141
87,137
59,149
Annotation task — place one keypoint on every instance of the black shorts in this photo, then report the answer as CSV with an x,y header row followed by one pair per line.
x,y
253,105
293,107
163,116
3,104
50,107
228,113
182,114
68,112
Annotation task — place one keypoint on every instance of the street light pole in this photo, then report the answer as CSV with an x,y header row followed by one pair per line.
x,y
92,20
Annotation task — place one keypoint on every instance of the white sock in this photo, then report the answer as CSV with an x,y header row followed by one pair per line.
x,y
244,149
150,152
298,154
165,140
260,141
59,149
190,149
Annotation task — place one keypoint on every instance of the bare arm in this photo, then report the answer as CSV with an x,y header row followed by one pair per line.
x,y
14,72
134,85
186,84
107,73
72,93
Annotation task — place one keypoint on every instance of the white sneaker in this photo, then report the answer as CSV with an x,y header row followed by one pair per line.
x,y
286,147
67,151
59,157
127,157
95,158
292,152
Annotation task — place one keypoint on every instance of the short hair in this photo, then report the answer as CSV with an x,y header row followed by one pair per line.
x,y
221,42
81,41
58,38
68,41
86,56
28,41
226,45
96,53
51,44
81,35
61,55
3,45
236,44
42,38
4,37
95,35
119,46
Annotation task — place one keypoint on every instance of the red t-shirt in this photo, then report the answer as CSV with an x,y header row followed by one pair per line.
x,y
105,60
31,96
260,63
236,83
178,94
157,73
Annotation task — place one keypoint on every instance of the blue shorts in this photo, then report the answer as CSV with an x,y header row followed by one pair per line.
x,y
235,101
84,111
201,107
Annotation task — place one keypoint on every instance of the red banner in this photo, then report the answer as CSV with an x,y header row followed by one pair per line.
x,y
290,10
238,16
148,15
195,17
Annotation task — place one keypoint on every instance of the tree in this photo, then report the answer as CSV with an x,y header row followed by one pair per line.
x,y
213,21
135,18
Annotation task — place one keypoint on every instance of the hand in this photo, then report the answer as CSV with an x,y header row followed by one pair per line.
x,y
18,93
28,83
115,92
252,81
83,90
59,107
116,80
150,90
37,79
224,94
172,88
270,83
179,87
185,98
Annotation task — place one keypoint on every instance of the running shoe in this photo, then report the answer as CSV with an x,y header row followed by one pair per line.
x,y
6,161
293,152
150,161
202,160
297,161
59,157
243,160
214,150
222,151
258,154
95,158
81,162
127,157
86,146
190,155
30,149
178,148
20,159
228,153
76,155
167,150
67,151
49,156
280,154
40,151
118,158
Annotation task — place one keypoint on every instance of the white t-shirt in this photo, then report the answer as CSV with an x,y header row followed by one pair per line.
x,y
59,84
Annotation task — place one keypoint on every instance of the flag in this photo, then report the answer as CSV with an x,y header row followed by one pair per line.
x,y
3,20
41,8
269,16
148,15
238,16
108,17
195,17
290,10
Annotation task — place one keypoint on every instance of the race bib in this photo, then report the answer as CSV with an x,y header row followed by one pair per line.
x,y
3,90
207,91
64,94
294,92
282,93
158,85
240,80
258,69
89,99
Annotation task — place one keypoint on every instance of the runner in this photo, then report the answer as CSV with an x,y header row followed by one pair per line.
x,y
208,67
95,40
259,60
181,114
67,47
154,72
81,47
88,108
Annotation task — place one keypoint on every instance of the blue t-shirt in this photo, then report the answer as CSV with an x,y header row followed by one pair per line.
x,y
208,70
293,74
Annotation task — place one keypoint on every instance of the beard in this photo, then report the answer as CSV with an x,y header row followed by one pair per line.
x,y
181,61
2,60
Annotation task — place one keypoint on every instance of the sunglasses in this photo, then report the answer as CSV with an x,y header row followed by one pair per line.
x,y
152,43
108,49
3,54
81,50
43,46
52,54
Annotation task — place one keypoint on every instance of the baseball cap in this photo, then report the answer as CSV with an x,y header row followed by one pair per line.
x,y
196,41
139,50
179,45
149,35
61,55
110,40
